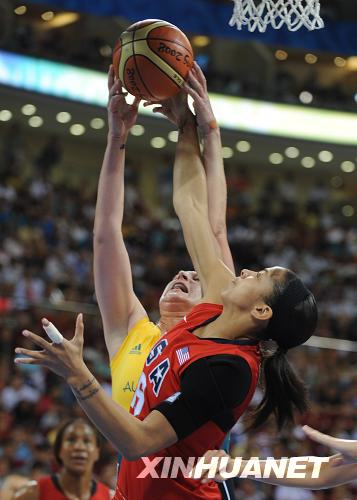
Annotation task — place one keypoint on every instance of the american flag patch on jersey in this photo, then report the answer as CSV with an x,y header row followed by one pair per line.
x,y
183,355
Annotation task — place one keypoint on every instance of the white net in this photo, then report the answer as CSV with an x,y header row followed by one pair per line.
x,y
258,14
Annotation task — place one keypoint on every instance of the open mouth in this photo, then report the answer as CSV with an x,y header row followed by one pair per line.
x,y
180,286
79,458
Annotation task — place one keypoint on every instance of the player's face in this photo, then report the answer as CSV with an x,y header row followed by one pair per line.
x,y
79,450
182,293
251,287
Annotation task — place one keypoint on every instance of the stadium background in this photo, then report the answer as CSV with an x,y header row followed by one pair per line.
x,y
282,207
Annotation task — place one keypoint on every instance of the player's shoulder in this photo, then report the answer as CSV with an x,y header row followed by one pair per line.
x,y
223,371
218,369
139,341
227,362
143,326
143,334
222,362
103,492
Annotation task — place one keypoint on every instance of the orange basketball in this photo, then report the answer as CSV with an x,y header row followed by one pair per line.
x,y
152,58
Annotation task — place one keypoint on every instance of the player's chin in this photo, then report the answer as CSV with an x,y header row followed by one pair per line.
x,y
176,297
78,467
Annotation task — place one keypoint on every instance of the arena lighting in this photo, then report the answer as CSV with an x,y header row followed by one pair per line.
x,y
158,142
311,58
97,123
308,162
62,19
35,121
306,97
340,62
137,130
348,166
234,113
352,63
243,146
20,10
348,210
77,129
201,40
173,136
227,152
105,50
28,109
292,152
48,15
5,115
276,158
325,156
63,117
281,55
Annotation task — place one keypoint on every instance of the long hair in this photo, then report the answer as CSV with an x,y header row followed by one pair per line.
x,y
293,322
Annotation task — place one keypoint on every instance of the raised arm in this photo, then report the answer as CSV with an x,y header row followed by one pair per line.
x,y
212,161
131,436
191,206
216,186
120,308
203,396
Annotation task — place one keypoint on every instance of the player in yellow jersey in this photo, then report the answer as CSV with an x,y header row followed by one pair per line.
x,y
129,334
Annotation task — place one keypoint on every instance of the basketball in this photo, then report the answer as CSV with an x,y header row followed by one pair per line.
x,y
152,58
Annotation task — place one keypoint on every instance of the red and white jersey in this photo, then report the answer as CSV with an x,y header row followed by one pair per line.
x,y
49,489
160,380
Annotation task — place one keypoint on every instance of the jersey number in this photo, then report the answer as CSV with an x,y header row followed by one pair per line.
x,y
138,400
156,377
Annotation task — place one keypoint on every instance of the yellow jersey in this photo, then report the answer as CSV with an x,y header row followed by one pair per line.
x,y
128,362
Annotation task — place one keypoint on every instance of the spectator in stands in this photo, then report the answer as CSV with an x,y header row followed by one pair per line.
x,y
76,450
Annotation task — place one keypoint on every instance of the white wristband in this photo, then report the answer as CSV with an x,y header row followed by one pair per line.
x,y
53,333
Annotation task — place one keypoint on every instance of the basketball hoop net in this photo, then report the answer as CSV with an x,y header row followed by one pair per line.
x,y
258,14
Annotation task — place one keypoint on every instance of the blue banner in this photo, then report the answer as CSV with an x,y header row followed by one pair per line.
x,y
211,17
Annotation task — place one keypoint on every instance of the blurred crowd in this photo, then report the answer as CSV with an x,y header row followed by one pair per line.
x,y
46,270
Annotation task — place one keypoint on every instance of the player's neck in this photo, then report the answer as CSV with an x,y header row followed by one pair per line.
x,y
168,320
226,327
75,486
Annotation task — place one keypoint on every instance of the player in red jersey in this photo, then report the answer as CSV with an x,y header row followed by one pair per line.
x,y
129,334
201,375
76,450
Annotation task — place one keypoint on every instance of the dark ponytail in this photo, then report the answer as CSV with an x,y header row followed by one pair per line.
x,y
293,322
284,392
